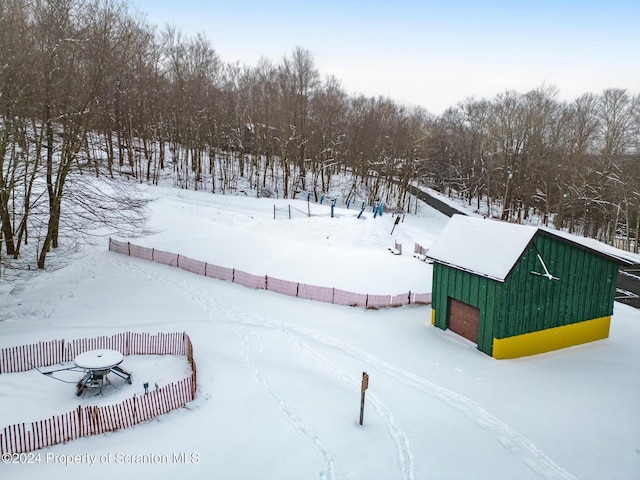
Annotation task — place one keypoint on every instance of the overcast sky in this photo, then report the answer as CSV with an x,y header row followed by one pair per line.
x,y
428,53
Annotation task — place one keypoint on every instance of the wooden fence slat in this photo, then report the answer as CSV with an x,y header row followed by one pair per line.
x,y
97,412
66,427
37,428
16,438
127,411
12,437
46,431
36,435
60,426
130,411
140,409
29,441
160,403
155,405
21,438
117,416
10,441
147,405
105,418
101,420
63,428
53,431
179,393
170,397
3,445
120,417
42,425
5,361
112,418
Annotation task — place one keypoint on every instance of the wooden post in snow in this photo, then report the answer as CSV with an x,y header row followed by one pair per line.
x,y
395,223
363,389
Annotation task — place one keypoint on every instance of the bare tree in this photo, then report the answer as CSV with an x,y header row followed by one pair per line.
x,y
300,79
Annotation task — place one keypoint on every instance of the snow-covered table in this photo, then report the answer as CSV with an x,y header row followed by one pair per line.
x,y
97,365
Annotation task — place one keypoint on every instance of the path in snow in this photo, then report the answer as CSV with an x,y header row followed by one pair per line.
x,y
217,312
512,441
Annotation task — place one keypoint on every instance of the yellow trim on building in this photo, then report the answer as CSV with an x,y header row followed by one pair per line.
x,y
433,317
551,339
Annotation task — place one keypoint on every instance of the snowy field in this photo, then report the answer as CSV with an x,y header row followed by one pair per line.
x,y
279,377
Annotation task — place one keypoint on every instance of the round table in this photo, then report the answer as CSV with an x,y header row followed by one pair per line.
x,y
97,365
99,359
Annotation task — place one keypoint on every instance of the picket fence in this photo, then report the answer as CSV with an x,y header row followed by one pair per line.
x,y
264,282
94,420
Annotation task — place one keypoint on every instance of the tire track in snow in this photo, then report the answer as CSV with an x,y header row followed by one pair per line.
x,y
516,444
212,306
289,412
403,446
511,440
404,454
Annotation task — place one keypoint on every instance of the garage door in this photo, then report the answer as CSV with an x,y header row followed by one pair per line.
x,y
464,319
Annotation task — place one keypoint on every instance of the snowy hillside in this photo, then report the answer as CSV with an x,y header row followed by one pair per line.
x,y
279,377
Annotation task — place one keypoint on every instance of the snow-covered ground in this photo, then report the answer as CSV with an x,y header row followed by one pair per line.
x,y
279,377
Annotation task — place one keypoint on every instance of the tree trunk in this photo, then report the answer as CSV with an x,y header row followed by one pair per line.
x,y
52,227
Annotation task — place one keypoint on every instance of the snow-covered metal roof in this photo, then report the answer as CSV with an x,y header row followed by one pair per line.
x,y
491,248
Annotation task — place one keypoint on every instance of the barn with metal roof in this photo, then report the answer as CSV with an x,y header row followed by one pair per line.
x,y
518,290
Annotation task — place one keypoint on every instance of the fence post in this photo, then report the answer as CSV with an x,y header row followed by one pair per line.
x,y
153,250
178,260
266,282
129,248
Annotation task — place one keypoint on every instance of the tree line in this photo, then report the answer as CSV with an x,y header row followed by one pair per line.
x,y
89,89
575,165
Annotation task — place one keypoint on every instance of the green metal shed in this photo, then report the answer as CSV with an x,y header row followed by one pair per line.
x,y
518,290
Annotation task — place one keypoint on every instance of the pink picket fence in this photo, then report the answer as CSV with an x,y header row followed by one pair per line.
x,y
44,354
285,287
94,420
